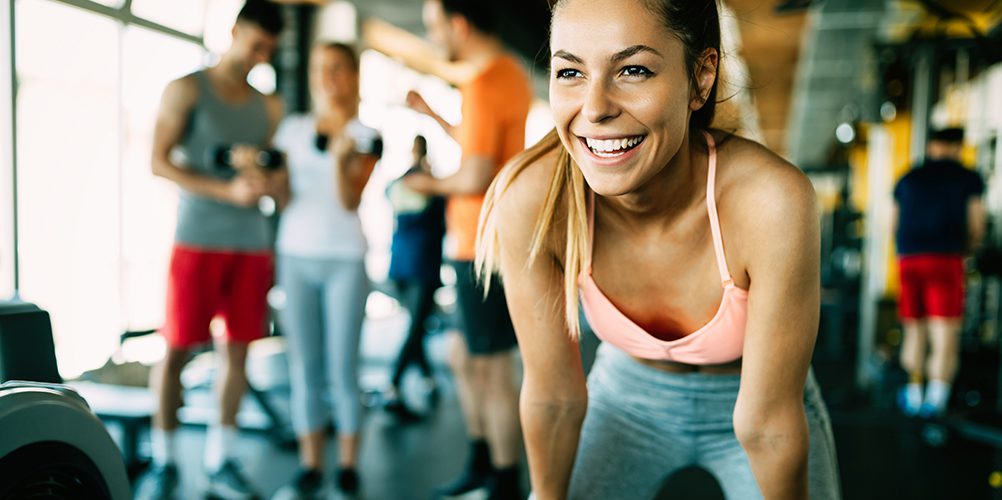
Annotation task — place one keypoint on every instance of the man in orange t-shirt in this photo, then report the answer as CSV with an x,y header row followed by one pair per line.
x,y
496,100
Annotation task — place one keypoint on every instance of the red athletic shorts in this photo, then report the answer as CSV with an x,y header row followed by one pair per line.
x,y
204,284
931,286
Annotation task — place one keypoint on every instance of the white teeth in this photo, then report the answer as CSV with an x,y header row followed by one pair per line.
x,y
612,145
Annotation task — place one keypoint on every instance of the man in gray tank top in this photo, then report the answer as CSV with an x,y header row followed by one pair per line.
x,y
211,129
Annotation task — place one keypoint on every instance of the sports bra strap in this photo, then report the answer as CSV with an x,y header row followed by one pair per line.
x,y
711,207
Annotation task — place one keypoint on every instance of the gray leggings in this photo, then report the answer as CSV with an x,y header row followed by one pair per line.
x,y
322,323
643,424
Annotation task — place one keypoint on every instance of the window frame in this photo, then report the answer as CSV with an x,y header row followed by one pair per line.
x,y
11,238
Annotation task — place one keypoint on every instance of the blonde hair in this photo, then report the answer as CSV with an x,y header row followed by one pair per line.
x,y
567,191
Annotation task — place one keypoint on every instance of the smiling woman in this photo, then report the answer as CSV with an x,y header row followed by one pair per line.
x,y
630,204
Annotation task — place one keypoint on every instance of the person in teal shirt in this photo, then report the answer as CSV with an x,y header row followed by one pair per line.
x,y
415,262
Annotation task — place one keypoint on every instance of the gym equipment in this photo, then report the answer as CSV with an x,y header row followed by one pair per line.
x,y
841,267
27,353
53,446
220,157
269,419
363,144
26,348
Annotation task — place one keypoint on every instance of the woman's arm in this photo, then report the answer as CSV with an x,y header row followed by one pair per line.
x,y
352,171
780,245
554,397
279,188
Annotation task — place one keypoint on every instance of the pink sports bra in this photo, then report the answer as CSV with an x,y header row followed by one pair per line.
x,y
717,342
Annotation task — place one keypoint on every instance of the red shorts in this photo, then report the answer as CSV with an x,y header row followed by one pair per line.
x,y
931,286
204,284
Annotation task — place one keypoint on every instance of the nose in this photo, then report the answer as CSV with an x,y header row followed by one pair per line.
x,y
599,104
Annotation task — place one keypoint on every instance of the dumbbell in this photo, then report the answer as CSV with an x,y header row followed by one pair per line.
x,y
220,157
363,145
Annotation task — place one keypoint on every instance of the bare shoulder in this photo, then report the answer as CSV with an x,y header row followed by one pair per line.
x,y
522,190
180,94
757,186
768,210
524,182
179,99
186,86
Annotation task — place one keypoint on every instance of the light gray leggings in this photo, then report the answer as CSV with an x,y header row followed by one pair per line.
x,y
322,323
643,424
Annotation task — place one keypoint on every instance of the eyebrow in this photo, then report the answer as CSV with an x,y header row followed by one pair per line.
x,y
630,51
617,57
563,54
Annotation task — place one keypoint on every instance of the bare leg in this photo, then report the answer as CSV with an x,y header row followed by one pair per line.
x,y
913,349
232,382
500,407
470,395
348,457
944,336
311,449
165,380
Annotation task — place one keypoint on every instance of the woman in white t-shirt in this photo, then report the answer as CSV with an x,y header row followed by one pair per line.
x,y
320,251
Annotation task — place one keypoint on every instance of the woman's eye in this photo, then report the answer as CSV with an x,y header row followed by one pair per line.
x,y
567,73
637,71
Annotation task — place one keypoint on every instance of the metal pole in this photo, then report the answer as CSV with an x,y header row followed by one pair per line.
x,y
874,251
13,148
124,14
922,99
123,304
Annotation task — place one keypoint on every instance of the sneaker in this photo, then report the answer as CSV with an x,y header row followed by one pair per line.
x,y
347,480
504,485
471,480
929,410
400,410
229,483
495,492
908,405
308,485
160,483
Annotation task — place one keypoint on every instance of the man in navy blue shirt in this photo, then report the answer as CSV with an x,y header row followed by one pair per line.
x,y
939,218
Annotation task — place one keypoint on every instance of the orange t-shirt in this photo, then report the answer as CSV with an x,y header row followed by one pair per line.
x,y
495,106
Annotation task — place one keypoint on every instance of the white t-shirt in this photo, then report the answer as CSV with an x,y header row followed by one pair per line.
x,y
315,224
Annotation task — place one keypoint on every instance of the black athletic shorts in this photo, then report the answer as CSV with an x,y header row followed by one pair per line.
x,y
485,321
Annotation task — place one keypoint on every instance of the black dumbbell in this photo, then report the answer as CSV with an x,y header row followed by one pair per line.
x,y
364,145
221,158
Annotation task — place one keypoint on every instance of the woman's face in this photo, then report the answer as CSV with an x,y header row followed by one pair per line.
x,y
619,91
333,78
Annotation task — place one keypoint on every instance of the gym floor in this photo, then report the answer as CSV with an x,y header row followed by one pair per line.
x,y
881,454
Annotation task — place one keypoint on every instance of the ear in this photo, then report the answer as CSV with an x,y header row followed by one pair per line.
x,y
706,74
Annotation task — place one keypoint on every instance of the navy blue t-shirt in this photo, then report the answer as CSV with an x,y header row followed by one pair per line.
x,y
932,207
416,250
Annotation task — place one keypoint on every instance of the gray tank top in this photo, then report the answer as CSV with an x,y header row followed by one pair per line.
x,y
205,222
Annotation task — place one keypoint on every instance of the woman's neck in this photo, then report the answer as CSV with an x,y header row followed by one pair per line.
x,y
333,117
670,193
